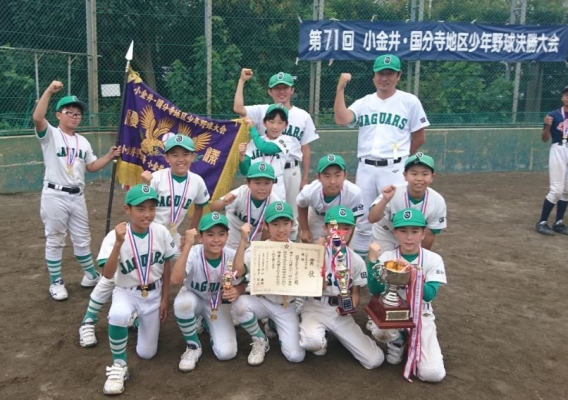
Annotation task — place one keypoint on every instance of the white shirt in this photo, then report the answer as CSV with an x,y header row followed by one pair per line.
x,y
312,196
238,214
58,150
278,161
433,206
196,278
387,124
300,126
196,193
163,248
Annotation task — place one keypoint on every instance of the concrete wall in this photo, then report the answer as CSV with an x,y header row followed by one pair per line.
x,y
454,150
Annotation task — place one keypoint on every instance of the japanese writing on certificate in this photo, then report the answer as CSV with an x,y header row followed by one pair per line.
x,y
292,269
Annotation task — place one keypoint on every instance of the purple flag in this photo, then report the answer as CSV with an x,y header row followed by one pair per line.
x,y
149,120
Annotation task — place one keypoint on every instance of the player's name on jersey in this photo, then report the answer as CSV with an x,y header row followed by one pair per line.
x,y
382,119
205,286
257,154
63,153
244,218
166,201
128,266
294,131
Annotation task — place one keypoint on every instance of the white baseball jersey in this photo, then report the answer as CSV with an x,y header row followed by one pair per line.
x,y
357,271
433,206
385,126
162,248
312,196
430,262
272,297
195,192
300,126
238,214
59,150
278,161
198,267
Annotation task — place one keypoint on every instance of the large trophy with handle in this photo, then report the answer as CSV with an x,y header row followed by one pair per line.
x,y
389,310
344,299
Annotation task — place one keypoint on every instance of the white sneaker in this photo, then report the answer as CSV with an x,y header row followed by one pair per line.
x,y
87,282
57,290
87,336
395,350
131,324
116,374
268,331
259,348
189,359
322,351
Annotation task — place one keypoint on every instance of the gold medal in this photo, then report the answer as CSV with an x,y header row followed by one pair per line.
x,y
285,305
69,169
213,315
144,291
172,229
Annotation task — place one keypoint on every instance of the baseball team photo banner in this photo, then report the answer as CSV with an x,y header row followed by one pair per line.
x,y
431,41
149,120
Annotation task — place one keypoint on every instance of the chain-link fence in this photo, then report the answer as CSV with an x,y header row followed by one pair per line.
x,y
43,41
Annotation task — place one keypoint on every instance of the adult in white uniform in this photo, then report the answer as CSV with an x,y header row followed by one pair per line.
x,y
391,126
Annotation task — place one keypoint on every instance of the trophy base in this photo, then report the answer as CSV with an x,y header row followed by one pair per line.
x,y
345,305
389,317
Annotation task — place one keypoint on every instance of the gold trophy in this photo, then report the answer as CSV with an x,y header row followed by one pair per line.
x,y
344,299
227,281
389,310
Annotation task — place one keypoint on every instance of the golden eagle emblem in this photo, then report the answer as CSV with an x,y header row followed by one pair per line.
x,y
151,145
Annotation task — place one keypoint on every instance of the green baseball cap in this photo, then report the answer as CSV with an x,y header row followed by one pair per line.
x,y
70,100
278,209
331,159
278,106
261,170
208,221
181,141
139,194
408,217
281,78
419,158
388,61
340,215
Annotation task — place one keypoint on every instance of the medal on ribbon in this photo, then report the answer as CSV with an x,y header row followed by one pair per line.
x,y
71,153
175,212
424,205
256,227
213,299
143,268
564,127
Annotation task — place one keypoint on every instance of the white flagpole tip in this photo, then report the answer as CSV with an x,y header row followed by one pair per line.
x,y
130,51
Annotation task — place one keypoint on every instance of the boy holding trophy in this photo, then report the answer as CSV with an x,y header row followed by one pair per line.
x,y
344,274
208,289
425,358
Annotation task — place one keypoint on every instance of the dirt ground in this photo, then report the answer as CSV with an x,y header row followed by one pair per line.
x,y
501,319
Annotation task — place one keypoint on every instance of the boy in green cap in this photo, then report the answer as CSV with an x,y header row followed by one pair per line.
x,y
300,127
321,314
247,309
424,354
272,149
136,255
247,204
416,194
330,189
66,155
177,188
202,268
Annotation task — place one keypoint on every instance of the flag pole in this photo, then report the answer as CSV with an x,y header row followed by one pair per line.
x,y
128,57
